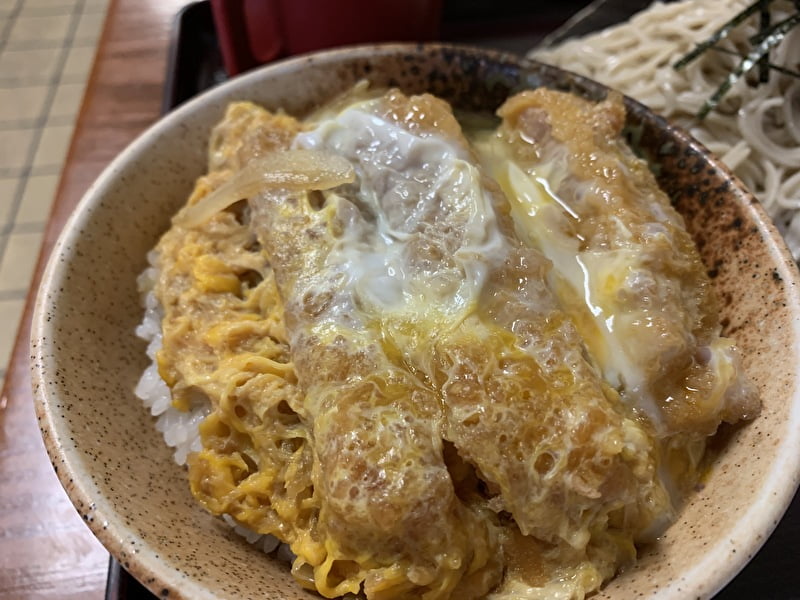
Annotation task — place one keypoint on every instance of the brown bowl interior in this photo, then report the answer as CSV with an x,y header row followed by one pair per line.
x,y
86,358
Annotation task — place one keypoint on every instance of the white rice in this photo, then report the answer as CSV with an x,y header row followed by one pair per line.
x,y
180,429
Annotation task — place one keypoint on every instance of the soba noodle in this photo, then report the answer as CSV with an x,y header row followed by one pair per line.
x,y
755,130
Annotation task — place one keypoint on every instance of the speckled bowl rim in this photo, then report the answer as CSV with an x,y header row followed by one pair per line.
x,y
752,528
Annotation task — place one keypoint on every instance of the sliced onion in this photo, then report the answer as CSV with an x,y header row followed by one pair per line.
x,y
292,170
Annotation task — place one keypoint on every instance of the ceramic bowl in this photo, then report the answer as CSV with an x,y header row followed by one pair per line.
x,y
86,358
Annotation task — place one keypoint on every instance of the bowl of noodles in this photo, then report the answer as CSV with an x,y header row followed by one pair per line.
x,y
421,322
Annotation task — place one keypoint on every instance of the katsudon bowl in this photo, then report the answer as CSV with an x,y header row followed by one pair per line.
x,y
86,358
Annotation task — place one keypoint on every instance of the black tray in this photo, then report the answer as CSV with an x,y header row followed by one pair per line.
x,y
195,64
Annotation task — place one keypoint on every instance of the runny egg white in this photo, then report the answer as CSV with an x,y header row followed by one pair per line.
x,y
403,180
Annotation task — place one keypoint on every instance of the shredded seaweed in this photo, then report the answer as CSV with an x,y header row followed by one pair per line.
x,y
759,52
768,37
763,64
722,33
773,67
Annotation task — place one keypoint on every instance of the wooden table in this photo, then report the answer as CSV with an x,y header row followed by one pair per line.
x,y
46,551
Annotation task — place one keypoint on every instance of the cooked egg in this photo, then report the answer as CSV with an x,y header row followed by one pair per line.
x,y
441,366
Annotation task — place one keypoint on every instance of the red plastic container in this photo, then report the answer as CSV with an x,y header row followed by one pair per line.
x,y
253,32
